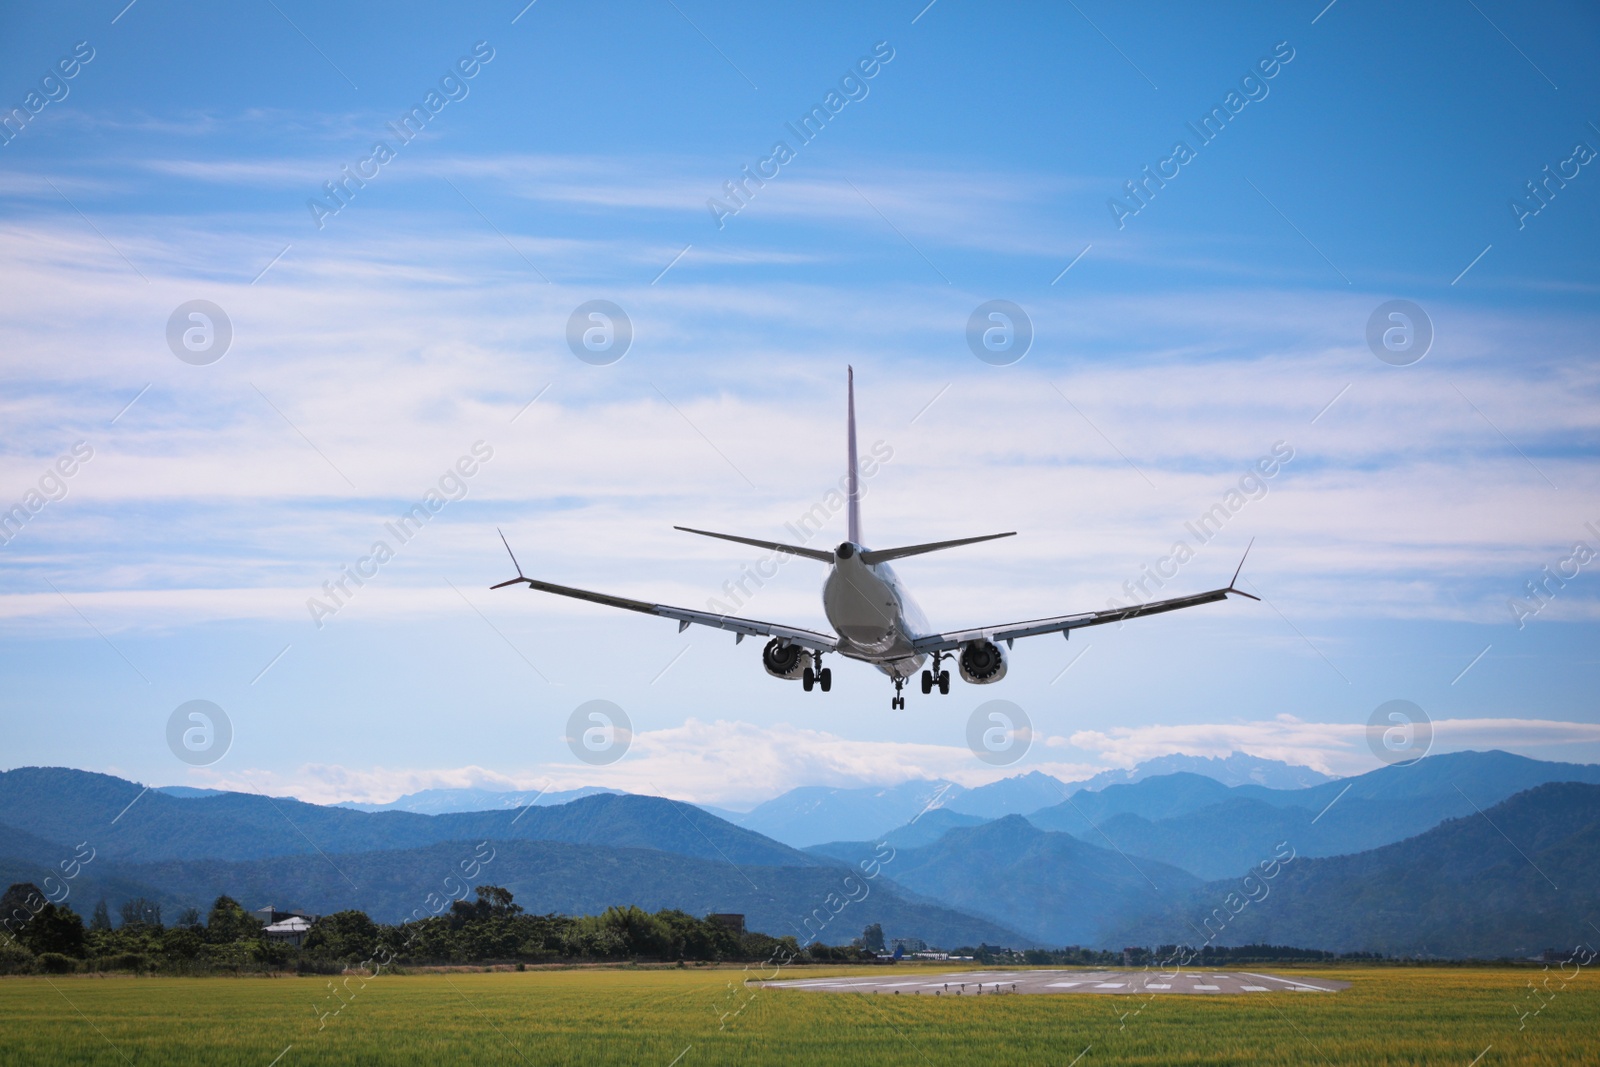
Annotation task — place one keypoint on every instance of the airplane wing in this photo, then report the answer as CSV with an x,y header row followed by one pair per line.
x,y
684,616
1064,624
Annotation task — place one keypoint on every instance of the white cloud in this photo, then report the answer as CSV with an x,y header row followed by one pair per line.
x,y
739,764
1333,748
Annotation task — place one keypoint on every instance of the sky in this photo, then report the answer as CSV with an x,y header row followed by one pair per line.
x,y
1201,214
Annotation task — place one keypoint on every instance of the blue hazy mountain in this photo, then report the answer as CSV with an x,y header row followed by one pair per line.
x,y
1055,888
812,815
122,819
924,830
1512,880
1017,795
1234,769
1214,832
444,801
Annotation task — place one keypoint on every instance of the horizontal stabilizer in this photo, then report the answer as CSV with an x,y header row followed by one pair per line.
x,y
884,555
821,555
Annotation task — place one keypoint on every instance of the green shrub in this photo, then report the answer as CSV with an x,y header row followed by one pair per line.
x,y
55,963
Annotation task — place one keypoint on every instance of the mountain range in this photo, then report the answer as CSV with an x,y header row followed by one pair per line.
x,y
1472,853
811,815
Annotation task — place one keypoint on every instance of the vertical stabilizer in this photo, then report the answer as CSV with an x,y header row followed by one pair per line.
x,y
854,472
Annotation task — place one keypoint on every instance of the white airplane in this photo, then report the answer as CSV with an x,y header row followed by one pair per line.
x,y
876,620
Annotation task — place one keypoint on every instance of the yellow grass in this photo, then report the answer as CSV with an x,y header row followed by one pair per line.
x,y
703,1015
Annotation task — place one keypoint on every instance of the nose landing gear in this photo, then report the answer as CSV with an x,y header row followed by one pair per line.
x,y
899,702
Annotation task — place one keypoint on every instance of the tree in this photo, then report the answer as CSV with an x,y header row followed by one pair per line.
x,y
189,918
872,938
57,928
344,935
228,922
18,906
141,912
102,917
493,902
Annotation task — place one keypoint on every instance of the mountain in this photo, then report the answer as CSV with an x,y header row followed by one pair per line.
x,y
1234,769
442,801
811,815
1017,795
1053,887
1214,832
1152,798
543,876
124,820
922,831
1513,880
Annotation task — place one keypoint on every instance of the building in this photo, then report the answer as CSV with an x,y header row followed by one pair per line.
x,y
730,921
292,930
269,914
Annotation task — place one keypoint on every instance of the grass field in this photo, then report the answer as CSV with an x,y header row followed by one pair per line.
x,y
661,1017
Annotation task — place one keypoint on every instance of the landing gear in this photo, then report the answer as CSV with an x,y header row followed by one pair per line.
x,y
816,675
899,702
936,677
944,683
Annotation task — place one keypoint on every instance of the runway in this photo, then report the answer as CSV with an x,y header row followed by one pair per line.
x,y
1006,983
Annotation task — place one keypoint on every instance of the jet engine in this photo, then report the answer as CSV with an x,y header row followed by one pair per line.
x,y
785,661
982,662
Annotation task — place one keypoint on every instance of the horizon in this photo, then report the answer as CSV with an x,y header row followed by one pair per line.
x,y
533,794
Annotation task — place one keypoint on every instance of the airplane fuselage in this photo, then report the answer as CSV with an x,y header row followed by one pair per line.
x,y
873,614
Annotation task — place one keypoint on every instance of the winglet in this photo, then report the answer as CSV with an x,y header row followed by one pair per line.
x,y
520,576
1240,568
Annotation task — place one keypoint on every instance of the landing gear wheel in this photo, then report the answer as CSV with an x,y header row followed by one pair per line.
x,y
825,679
898,703
944,683
927,682
808,679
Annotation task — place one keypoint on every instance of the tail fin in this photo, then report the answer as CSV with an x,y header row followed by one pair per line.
x,y
854,472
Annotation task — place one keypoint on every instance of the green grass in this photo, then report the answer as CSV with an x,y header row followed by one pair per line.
x,y
1389,1016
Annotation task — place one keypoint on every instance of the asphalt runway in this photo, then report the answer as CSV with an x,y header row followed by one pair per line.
x,y
1005,983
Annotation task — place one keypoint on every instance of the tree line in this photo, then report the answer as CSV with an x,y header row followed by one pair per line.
x,y
43,937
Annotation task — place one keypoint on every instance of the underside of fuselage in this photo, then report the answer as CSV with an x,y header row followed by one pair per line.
x,y
874,616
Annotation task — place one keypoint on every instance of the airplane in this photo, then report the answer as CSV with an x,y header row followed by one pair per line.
x,y
875,619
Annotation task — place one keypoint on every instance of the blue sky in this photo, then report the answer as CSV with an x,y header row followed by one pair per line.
x,y
1379,161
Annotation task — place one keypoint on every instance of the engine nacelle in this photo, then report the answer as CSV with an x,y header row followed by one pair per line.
x,y
982,662
785,661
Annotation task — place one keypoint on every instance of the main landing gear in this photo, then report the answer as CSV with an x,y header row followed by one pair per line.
x,y
817,675
936,677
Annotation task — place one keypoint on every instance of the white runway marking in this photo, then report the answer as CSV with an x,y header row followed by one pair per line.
x,y
1063,981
